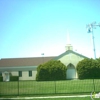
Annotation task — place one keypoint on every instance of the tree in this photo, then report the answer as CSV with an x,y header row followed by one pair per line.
x,y
88,68
52,70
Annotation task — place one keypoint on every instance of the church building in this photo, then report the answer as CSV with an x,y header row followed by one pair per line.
x,y
26,68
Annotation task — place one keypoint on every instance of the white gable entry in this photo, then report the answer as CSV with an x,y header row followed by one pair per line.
x,y
71,72
6,76
70,59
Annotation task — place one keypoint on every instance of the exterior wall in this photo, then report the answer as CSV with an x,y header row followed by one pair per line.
x,y
71,58
66,59
14,73
25,75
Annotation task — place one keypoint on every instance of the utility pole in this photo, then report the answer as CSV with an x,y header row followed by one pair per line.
x,y
90,28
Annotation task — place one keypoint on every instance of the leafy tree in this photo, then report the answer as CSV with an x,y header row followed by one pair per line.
x,y
52,70
97,72
88,68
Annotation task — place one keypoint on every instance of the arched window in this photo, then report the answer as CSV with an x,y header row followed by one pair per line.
x,y
70,66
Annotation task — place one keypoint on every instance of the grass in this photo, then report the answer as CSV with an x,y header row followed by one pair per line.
x,y
49,87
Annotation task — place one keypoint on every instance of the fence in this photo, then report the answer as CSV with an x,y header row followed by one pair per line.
x,y
84,86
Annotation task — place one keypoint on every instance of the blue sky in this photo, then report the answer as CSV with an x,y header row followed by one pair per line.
x,y
31,27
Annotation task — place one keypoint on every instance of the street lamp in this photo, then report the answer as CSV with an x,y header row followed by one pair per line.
x,y
90,28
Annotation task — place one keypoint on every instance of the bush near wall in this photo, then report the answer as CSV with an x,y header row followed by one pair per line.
x,y
52,70
14,78
88,68
1,78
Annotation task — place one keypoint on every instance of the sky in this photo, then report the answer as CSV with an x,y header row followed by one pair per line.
x,y
29,28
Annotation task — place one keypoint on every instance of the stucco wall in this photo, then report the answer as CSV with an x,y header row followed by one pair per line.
x,y
25,75
14,73
71,58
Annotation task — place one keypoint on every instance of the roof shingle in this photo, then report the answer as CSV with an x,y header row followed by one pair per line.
x,y
35,61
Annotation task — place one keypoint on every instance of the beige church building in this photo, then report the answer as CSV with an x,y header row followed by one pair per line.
x,y
26,68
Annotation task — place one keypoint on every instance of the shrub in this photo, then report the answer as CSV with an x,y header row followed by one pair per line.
x,y
52,70
88,68
1,78
14,78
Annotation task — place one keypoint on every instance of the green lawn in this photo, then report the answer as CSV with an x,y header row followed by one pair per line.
x,y
49,87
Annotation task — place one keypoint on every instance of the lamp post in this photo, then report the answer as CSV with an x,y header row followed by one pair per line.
x,y
90,28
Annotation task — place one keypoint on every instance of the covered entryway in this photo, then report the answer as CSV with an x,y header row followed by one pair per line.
x,y
71,72
6,76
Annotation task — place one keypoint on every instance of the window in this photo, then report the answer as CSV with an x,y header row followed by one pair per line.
x,y
20,73
30,73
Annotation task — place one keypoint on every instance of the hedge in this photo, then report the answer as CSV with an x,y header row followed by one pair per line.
x,y
51,70
88,68
14,78
1,78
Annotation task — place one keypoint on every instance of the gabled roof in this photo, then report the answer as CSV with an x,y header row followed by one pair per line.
x,y
34,61
68,52
12,62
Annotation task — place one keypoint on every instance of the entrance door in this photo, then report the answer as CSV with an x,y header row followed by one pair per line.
x,y
71,72
6,76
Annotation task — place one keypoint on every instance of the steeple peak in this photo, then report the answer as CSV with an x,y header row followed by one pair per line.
x,y
68,46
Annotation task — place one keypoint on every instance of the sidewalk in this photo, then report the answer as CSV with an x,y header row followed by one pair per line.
x,y
45,97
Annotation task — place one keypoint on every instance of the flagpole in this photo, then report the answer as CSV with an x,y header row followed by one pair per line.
x,y
42,57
